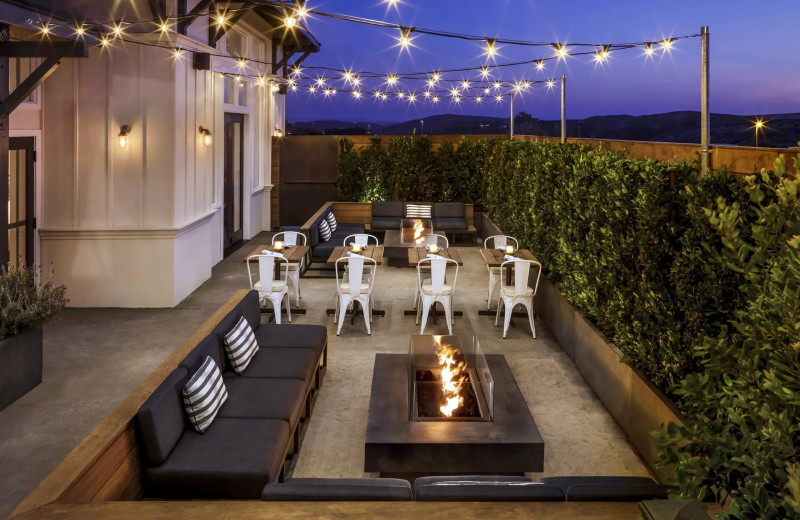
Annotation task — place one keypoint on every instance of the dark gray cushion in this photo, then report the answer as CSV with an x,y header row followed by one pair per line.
x,y
161,419
450,224
387,209
425,481
209,347
323,250
486,491
262,398
272,335
348,228
234,458
226,324
332,489
251,309
294,363
567,481
615,493
448,210
386,223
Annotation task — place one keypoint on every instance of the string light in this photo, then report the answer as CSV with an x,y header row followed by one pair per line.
x,y
550,83
242,63
497,85
648,49
221,20
164,27
296,70
405,37
377,94
561,50
321,82
45,29
384,96
478,99
357,94
491,49
312,89
391,80
290,21
176,54
602,55
301,12
401,94
465,84
487,90
348,76
499,98
427,94
667,44
484,72
539,64
104,41
412,98
435,99
117,30
80,31
356,81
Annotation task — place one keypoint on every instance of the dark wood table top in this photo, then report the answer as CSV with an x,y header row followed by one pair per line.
x,y
374,252
415,254
496,257
293,254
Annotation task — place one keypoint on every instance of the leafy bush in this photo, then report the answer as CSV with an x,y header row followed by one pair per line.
x,y
742,440
25,303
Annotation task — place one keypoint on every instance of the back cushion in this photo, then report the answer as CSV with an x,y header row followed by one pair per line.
x,y
448,210
227,323
161,419
251,309
211,346
418,210
387,209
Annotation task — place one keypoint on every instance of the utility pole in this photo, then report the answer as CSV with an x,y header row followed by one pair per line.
x,y
563,108
512,115
705,116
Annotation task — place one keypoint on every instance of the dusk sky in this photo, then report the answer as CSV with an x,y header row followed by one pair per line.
x,y
755,56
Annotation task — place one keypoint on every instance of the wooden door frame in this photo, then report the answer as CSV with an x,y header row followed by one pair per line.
x,y
27,143
232,117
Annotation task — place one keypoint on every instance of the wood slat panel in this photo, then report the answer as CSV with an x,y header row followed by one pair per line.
x,y
89,484
126,482
247,509
415,254
81,461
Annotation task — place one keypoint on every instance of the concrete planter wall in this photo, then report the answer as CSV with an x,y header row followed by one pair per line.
x,y
20,365
637,405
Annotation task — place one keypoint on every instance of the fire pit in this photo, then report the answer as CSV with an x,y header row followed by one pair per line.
x,y
489,429
448,379
413,229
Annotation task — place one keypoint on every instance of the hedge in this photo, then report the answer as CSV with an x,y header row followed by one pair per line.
x,y
695,278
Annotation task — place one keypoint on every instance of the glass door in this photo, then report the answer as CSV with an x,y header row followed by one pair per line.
x,y
21,215
233,185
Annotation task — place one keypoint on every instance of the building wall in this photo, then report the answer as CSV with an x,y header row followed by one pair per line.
x,y
142,226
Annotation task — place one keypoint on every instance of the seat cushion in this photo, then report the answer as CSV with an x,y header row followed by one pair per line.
x,y
161,420
234,458
294,363
509,291
450,224
324,249
427,288
448,210
567,481
386,223
277,285
348,228
487,491
423,481
345,287
263,398
333,489
615,492
387,209
272,335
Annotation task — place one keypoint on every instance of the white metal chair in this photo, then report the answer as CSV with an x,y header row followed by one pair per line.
x,y
519,293
293,238
268,287
354,289
362,239
436,289
496,242
429,240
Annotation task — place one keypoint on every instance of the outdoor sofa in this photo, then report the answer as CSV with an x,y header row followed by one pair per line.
x,y
321,249
447,217
255,430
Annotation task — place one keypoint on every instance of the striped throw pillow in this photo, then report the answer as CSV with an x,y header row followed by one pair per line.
x,y
418,210
331,221
240,345
324,231
204,394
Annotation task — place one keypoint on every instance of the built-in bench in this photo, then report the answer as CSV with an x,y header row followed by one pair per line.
x,y
321,249
257,430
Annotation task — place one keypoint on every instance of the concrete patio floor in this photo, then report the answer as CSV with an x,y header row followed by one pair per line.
x,y
95,357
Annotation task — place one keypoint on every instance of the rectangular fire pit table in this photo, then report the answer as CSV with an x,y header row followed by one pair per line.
x,y
510,444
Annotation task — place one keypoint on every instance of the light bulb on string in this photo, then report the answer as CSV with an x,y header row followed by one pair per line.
x,y
550,83
176,54
499,98
484,72
312,89
80,31
163,27
561,50
356,81
384,96
491,47
241,63
377,94
405,37
357,94
427,94
104,41
290,22
666,45
435,99
391,80
412,98
487,90
454,92
301,12
496,85
465,84
348,76
478,99
45,29
431,82
602,55
117,30
539,64
648,49
220,20
401,94
296,70
320,81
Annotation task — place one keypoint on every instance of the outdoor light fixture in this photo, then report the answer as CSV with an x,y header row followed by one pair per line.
x,y
124,130
290,22
206,133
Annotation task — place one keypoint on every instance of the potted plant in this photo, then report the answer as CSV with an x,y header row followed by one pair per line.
x,y
25,306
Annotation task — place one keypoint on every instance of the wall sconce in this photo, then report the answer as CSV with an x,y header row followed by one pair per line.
x,y
206,133
278,132
124,130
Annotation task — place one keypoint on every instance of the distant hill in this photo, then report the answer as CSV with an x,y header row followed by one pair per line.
x,y
782,130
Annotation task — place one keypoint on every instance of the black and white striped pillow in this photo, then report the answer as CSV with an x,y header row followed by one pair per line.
x,y
418,210
204,394
240,345
324,230
331,221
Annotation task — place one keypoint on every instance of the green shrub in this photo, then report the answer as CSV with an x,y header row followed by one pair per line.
x,y
25,303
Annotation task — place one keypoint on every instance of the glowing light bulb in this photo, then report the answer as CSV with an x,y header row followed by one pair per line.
x,y
293,87
117,30
377,94
602,55
348,76
401,94
435,99
491,47
241,63
45,29
357,94
356,81
648,49
667,44
164,27
262,81
499,98
465,84
412,98
478,99
221,20
80,31
431,82
296,70
550,83
561,50
496,85
436,76
104,41
176,54
405,37
290,22
384,96
487,90
321,82
312,89
391,80
517,87
454,92
484,72
301,12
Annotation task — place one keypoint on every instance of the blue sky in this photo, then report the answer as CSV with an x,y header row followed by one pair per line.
x,y
755,56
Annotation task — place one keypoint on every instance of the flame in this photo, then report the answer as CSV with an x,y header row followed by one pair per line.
x,y
418,229
453,377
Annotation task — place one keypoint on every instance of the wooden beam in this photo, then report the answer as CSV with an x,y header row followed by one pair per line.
x,y
287,54
299,60
24,89
44,49
215,33
158,8
5,36
189,18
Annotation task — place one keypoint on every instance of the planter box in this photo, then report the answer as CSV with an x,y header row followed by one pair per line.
x,y
20,365
637,405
